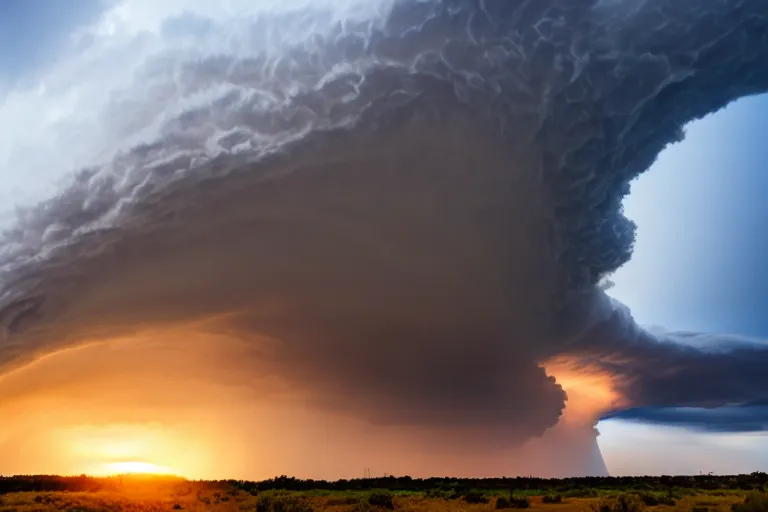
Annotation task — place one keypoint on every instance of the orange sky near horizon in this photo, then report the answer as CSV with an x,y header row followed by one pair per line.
x,y
148,404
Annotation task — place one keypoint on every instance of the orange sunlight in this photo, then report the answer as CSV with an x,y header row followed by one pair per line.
x,y
133,467
128,449
119,407
590,392
142,406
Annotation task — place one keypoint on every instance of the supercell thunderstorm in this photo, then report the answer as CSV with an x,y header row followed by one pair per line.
x,y
415,200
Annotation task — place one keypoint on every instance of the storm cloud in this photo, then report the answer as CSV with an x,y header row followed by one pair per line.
x,y
745,418
405,208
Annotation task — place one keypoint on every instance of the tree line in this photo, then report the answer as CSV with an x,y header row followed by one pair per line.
x,y
83,483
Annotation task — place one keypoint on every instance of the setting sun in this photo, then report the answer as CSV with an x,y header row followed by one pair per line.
x,y
136,467
132,448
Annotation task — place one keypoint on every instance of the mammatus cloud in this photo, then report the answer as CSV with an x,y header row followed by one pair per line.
x,y
404,208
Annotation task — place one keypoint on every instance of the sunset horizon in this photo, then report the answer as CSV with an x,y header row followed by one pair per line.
x,y
344,239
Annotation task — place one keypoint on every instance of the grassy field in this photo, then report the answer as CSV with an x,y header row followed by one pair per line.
x,y
131,494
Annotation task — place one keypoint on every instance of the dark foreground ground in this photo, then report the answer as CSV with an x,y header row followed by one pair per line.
x,y
742,493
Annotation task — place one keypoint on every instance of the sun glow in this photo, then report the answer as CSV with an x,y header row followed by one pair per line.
x,y
590,392
144,449
135,467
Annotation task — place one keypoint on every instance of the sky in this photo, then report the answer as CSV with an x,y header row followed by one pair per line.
x,y
34,49
162,314
698,266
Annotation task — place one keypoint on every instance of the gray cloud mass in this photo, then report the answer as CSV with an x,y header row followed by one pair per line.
x,y
406,214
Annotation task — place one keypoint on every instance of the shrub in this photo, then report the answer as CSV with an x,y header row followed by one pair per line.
x,y
512,502
443,493
381,499
264,502
623,503
552,499
280,503
202,498
474,497
652,500
754,502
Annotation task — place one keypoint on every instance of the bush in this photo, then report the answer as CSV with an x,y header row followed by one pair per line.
x,y
754,502
443,493
381,499
512,502
281,503
552,499
623,503
474,497
652,500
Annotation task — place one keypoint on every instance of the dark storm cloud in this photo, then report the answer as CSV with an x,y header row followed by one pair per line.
x,y
721,419
406,215
713,377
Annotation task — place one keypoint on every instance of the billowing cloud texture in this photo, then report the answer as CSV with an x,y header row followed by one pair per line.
x,y
402,209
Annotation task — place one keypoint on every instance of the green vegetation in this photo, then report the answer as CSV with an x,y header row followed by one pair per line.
x,y
753,502
448,488
652,499
379,499
622,503
512,502
275,502
474,496
744,493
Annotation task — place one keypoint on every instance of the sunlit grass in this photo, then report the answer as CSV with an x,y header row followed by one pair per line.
x,y
190,497
145,489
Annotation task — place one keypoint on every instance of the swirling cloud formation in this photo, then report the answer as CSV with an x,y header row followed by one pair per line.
x,y
403,208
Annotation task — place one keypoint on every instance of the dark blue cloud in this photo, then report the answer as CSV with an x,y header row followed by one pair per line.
x,y
752,418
